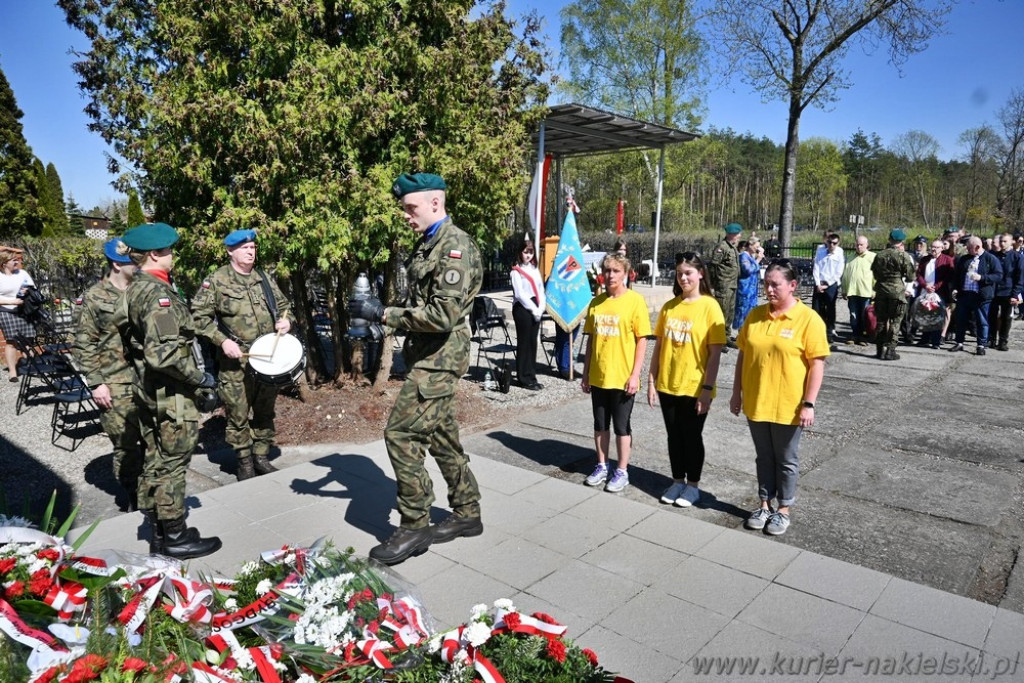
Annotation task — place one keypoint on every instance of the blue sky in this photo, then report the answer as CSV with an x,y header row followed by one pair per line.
x,y
959,82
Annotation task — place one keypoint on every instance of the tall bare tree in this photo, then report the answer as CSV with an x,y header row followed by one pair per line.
x,y
1010,195
794,50
917,150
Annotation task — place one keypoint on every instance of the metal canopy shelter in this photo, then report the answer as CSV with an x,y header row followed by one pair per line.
x,y
576,130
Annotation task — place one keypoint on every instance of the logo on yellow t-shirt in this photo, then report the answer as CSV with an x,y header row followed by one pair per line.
x,y
678,331
787,333
607,325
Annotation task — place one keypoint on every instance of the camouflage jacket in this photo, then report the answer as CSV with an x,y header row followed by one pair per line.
x,y
445,274
97,346
724,266
232,304
159,331
892,269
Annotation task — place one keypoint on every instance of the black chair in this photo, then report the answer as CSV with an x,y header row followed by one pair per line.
x,y
490,332
75,415
40,369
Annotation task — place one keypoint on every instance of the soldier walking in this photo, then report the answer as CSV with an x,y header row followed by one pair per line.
x,y
235,306
108,372
724,268
445,273
159,331
892,268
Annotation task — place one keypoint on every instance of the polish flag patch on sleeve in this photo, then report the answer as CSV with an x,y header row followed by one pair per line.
x,y
164,302
454,253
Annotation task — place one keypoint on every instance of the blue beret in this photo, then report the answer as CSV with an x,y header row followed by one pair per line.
x,y
150,237
110,251
897,235
408,183
733,229
239,237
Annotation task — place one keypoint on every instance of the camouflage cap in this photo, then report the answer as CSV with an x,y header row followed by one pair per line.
x,y
408,183
150,237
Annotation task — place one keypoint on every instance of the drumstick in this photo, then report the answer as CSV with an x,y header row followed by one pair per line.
x,y
276,339
257,355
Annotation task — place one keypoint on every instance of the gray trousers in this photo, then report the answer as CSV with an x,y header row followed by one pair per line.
x,y
778,460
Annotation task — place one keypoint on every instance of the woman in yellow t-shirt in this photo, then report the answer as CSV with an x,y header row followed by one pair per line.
x,y
783,345
618,325
689,336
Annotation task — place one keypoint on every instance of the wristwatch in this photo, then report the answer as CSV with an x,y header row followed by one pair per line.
x,y
808,404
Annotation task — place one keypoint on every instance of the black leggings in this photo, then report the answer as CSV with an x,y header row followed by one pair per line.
x,y
685,429
612,407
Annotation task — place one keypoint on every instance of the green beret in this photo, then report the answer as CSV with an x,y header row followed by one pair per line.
x,y
239,237
150,237
408,183
733,229
897,235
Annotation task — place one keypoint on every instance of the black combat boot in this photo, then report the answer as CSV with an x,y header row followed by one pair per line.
x,y
245,468
262,465
156,533
183,542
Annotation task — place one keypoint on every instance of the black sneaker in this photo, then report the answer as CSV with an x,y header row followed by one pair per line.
x,y
453,526
980,351
402,545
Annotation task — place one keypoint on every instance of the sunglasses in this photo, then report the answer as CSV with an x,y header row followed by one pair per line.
x,y
686,256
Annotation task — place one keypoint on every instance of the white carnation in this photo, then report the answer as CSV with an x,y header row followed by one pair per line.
x,y
263,587
477,634
505,604
478,611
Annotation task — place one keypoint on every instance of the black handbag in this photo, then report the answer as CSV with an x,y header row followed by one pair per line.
x,y
33,305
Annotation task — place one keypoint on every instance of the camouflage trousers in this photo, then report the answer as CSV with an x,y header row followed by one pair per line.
x,y
726,298
170,428
422,418
890,314
241,394
121,423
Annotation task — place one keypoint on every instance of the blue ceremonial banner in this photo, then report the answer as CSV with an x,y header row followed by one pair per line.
x,y
568,290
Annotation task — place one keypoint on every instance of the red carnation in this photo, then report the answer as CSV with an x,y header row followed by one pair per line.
x,y
512,621
591,656
135,665
7,564
48,554
556,650
49,675
374,627
86,669
16,590
40,583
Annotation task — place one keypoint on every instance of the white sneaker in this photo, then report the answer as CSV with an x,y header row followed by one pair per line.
x,y
690,495
673,492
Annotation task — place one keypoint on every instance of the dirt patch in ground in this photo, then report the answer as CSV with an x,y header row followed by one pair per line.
x,y
356,413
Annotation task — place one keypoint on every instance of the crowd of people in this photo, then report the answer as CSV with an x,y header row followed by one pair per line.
x,y
136,344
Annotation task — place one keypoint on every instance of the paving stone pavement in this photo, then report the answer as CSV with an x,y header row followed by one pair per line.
x,y
909,508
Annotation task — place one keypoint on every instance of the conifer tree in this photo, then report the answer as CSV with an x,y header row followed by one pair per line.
x,y
20,210
58,214
135,215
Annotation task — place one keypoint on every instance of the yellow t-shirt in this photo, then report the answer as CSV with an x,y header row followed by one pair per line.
x,y
777,353
614,326
686,330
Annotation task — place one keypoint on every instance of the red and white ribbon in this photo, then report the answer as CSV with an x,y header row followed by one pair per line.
x,y
453,642
67,599
16,629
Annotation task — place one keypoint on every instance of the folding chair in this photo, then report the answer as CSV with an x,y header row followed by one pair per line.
x,y
485,322
75,416
40,371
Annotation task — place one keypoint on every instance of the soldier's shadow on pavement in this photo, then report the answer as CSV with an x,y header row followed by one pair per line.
x,y
100,473
548,452
371,493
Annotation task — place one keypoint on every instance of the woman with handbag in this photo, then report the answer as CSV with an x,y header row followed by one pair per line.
x,y
13,284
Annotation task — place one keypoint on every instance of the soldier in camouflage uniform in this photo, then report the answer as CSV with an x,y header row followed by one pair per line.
x,y
158,332
892,268
445,273
107,371
724,270
231,311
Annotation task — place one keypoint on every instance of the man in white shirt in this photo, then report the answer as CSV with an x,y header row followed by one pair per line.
x,y
828,272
